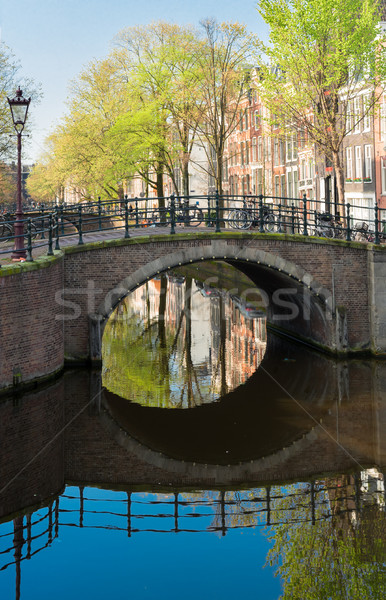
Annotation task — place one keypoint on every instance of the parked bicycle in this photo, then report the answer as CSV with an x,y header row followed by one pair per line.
x,y
190,215
362,233
249,216
7,228
326,226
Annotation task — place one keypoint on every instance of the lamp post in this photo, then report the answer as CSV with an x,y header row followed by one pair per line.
x,y
19,109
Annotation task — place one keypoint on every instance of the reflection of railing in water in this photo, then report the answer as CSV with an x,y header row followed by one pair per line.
x,y
26,533
211,511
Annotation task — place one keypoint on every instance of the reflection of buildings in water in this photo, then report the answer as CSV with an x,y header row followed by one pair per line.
x,y
245,342
224,345
350,495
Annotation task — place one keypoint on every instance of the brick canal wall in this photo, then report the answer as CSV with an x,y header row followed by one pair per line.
x,y
32,448
31,338
54,309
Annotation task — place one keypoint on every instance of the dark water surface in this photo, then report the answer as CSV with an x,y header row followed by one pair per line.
x,y
208,459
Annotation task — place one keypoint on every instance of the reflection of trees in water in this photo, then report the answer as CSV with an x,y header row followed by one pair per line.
x,y
148,348
340,553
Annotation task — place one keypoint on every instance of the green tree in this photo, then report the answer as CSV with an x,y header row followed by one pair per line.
x,y
80,154
160,125
225,56
9,82
320,56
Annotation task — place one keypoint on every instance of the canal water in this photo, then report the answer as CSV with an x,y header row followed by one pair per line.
x,y
207,458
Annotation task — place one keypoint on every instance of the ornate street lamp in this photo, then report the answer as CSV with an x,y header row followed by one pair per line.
x,y
19,109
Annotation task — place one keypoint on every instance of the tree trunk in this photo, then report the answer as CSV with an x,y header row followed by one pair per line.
x,y
339,174
160,185
185,178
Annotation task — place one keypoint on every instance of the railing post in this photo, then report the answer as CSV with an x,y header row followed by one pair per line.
x,y
42,236
136,214
172,215
176,529
209,213
268,503
305,230
376,223
218,230
293,219
80,241
261,224
50,251
279,229
348,232
126,217
61,218
29,241
57,247
99,213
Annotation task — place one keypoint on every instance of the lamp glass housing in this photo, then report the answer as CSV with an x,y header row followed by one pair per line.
x,y
19,109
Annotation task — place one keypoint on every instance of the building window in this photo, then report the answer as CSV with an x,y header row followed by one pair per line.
x,y
348,165
246,118
368,164
294,147
254,150
276,152
303,170
289,149
357,115
289,184
277,186
296,188
268,149
241,118
259,181
257,119
282,152
246,153
282,185
383,173
259,149
358,163
242,154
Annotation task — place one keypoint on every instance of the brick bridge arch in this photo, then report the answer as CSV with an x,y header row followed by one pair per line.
x,y
318,291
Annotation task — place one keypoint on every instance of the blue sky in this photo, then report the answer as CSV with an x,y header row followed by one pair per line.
x,y
54,39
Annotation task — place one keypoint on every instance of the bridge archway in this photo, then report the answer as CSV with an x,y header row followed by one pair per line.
x,y
297,304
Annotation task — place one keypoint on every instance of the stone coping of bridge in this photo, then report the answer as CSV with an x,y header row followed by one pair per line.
x,y
103,239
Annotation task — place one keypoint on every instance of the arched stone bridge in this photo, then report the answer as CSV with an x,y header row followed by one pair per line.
x,y
328,293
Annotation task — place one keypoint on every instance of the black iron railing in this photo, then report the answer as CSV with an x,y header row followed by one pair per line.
x,y
47,226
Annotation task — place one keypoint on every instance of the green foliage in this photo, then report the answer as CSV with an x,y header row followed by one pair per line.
x,y
339,558
9,82
321,55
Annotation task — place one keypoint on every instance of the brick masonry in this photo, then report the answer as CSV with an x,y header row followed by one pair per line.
x,y
45,306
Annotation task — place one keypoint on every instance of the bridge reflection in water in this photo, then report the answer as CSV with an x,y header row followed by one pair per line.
x,y
296,452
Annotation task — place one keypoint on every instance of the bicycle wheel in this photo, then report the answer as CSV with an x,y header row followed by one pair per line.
x,y
196,217
6,231
244,219
339,232
232,219
328,231
34,230
269,223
